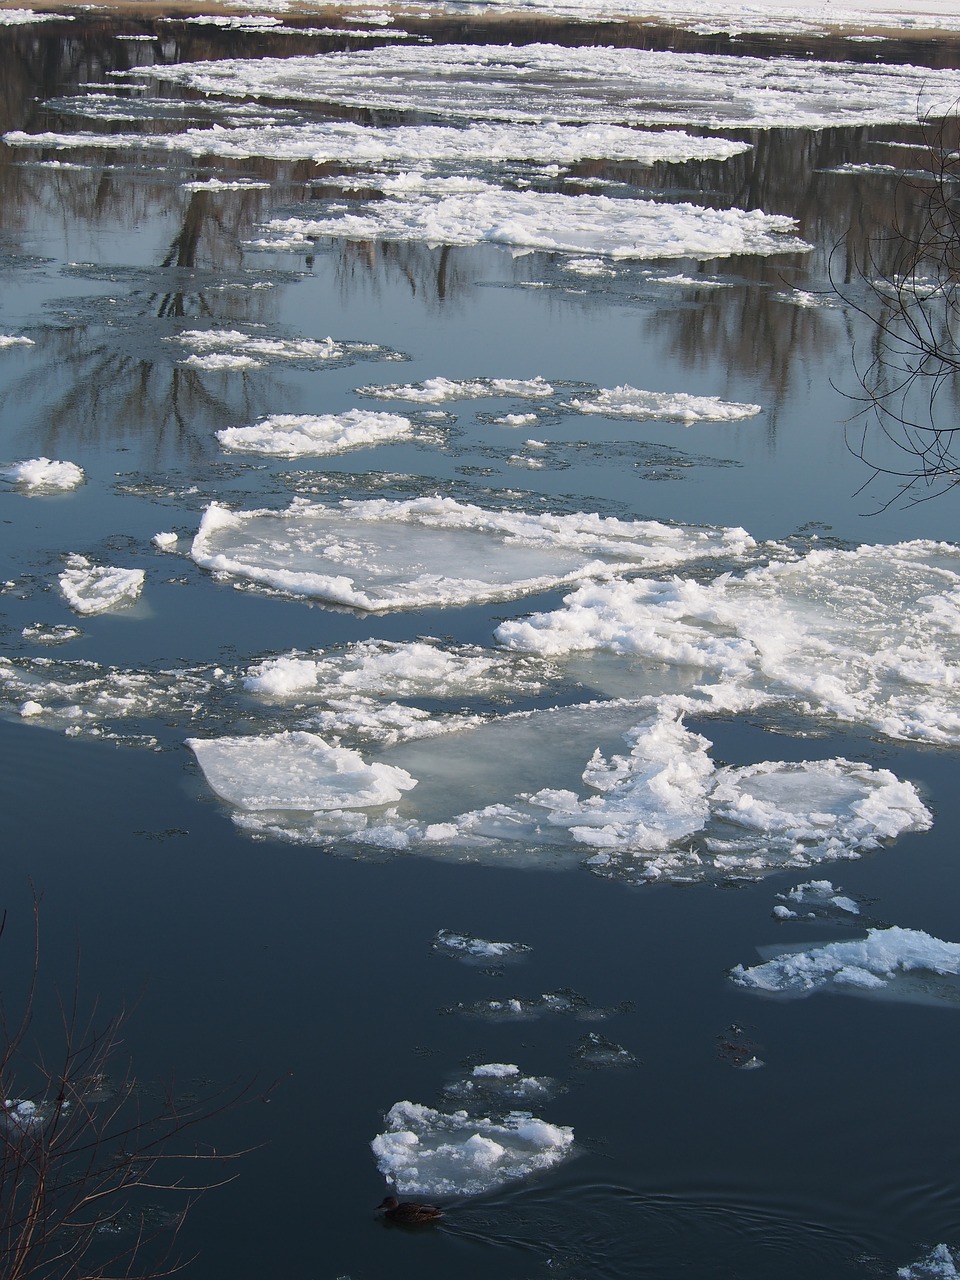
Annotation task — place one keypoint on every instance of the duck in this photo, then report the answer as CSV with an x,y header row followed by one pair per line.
x,y
408,1212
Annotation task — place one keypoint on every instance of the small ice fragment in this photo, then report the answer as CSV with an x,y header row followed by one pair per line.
x,y
428,1152
44,475
90,589
463,946
165,541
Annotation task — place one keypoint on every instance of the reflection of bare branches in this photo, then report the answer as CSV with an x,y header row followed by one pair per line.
x,y
78,1148
910,386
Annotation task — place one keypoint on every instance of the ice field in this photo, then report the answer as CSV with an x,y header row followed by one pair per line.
x,y
457,669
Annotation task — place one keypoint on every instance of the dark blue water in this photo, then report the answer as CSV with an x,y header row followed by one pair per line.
x,y
309,968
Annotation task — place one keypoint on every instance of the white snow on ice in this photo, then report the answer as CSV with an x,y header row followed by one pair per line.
x,y
294,435
870,636
463,946
544,84
44,475
939,1264
880,962
295,770
434,1153
89,588
462,211
556,787
344,143
629,402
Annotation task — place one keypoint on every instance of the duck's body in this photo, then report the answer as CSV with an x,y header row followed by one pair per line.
x,y
409,1212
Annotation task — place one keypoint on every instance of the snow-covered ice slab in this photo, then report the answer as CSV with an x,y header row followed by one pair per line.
x,y
44,475
870,636
295,770
452,390
8,340
433,1153
630,402
461,211
613,402
902,964
344,143
296,435
380,555
89,588
20,17
544,83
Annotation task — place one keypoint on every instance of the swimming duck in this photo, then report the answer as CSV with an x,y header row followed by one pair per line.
x,y
408,1212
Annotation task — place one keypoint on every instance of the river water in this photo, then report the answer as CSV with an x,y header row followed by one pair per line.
x,y
620,555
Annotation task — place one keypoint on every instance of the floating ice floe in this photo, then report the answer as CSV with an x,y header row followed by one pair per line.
x,y
44,475
814,893
8,340
556,788
904,964
233,349
499,1082
804,298
428,1152
870,636
855,21
939,1264
19,17
462,946
374,555
84,697
460,211
613,402
165,541
596,1052
443,390
218,184
549,84
629,402
294,435
297,771
89,588
344,143
564,1004
51,633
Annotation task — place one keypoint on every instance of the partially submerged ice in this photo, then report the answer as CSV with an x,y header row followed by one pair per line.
x,y
490,1083
434,1153
870,636
425,552
89,588
905,964
819,895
